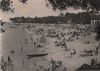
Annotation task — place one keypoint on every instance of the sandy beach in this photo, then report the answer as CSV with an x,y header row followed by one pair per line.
x,y
15,37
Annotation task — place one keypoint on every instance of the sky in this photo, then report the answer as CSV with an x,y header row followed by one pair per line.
x,y
31,9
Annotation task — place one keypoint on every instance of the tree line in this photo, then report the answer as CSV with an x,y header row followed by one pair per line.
x,y
75,18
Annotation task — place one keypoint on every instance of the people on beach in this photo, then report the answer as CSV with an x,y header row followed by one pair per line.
x,y
21,48
93,62
97,50
55,65
3,64
1,26
73,52
9,60
65,69
12,51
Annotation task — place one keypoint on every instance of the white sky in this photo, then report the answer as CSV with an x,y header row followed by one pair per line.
x,y
31,9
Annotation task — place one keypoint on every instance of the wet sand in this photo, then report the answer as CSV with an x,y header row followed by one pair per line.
x,y
12,39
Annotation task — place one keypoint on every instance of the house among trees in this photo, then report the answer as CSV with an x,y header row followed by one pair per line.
x,y
95,19
95,22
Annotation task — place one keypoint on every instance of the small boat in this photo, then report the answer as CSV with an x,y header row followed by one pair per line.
x,y
36,55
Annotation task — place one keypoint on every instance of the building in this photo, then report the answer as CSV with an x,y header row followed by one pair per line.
x,y
86,67
95,22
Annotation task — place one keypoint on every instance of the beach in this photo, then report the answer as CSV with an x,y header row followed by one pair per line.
x,y
16,37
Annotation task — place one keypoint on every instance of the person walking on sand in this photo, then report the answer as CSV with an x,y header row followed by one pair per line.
x,y
9,60
2,59
60,63
12,51
3,64
21,48
1,26
65,69
92,62
73,52
96,52
23,62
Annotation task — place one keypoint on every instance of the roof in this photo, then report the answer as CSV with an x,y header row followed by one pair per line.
x,y
89,67
95,17
84,67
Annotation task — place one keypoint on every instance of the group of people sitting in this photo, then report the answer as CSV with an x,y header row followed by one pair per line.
x,y
56,66
4,63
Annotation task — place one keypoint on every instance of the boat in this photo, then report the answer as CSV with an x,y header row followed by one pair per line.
x,y
36,55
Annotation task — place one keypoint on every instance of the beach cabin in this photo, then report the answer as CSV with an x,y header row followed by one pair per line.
x,y
93,22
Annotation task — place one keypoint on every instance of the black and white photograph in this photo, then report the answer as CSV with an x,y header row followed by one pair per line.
x,y
49,35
